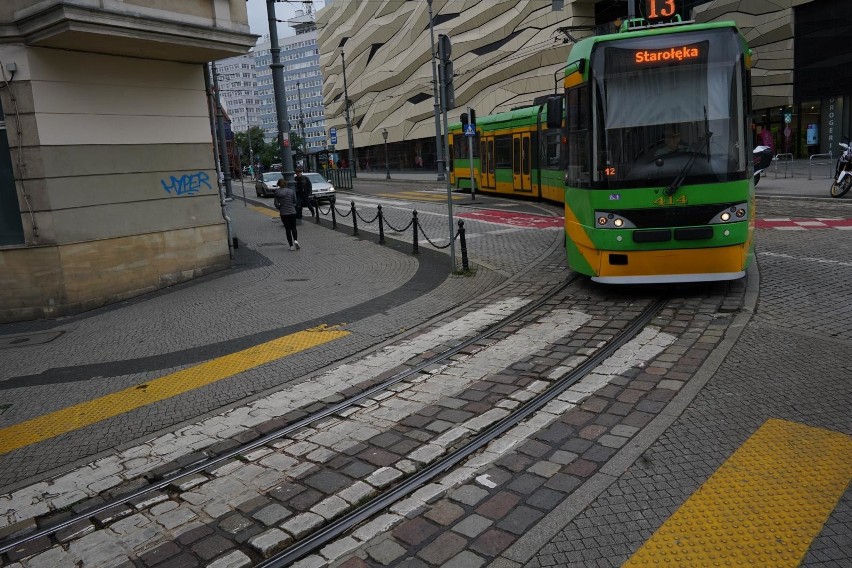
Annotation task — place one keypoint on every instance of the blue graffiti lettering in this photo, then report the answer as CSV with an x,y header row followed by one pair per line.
x,y
187,184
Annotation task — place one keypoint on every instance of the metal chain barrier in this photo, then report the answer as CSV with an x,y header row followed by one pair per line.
x,y
425,236
414,224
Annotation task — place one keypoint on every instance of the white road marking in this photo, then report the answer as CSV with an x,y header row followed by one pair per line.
x,y
805,258
87,481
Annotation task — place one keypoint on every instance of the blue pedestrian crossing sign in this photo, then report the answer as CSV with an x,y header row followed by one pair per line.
x,y
469,130
332,134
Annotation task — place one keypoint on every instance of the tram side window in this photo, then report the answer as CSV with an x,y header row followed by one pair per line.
x,y
578,137
552,149
461,147
503,151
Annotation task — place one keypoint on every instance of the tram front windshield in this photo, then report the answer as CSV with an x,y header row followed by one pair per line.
x,y
668,106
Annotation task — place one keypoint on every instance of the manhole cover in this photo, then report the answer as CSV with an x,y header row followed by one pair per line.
x,y
10,341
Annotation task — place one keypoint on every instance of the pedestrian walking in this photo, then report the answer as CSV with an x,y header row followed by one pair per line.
x,y
285,202
304,191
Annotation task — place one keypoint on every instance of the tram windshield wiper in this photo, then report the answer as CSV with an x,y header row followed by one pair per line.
x,y
672,188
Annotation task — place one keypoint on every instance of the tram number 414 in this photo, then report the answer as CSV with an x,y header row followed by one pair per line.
x,y
671,200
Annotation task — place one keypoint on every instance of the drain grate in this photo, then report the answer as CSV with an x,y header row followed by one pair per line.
x,y
10,341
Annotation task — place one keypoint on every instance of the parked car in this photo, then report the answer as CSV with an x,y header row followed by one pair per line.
x,y
322,189
267,185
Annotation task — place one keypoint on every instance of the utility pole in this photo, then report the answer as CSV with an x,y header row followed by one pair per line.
x,y
439,161
447,99
280,95
251,150
301,119
223,143
352,156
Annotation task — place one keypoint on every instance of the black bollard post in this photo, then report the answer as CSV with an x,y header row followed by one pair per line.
x,y
354,220
381,226
333,216
465,265
414,225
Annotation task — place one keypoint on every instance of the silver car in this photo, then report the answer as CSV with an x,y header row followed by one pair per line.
x,y
322,189
267,185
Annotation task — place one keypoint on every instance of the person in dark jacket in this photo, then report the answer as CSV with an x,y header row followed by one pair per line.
x,y
285,202
304,190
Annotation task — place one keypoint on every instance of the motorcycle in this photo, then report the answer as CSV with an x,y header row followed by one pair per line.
x,y
843,171
762,160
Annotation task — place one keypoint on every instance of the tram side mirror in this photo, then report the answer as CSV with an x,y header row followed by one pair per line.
x,y
554,112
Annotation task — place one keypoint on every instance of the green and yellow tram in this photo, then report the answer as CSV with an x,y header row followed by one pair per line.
x,y
514,154
658,174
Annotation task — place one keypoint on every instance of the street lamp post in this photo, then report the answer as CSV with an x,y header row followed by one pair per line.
x,y
251,149
387,166
301,118
438,159
280,96
353,158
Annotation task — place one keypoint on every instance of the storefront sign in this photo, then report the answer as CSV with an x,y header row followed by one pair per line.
x,y
831,124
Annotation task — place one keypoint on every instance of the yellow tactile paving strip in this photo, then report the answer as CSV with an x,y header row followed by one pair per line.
x,y
92,411
265,210
762,507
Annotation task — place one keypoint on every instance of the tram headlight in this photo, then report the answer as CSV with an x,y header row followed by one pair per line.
x,y
730,214
612,220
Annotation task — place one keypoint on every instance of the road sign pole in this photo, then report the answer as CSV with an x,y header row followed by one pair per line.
x,y
470,158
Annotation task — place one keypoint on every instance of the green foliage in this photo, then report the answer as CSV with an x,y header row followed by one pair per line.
x,y
257,146
264,152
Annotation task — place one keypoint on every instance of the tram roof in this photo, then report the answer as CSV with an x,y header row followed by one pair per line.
x,y
514,117
583,48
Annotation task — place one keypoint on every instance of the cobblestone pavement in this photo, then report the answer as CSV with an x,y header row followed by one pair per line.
x,y
584,481
378,292
790,362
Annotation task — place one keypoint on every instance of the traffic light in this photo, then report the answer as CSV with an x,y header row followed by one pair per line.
x,y
473,117
449,94
463,119
445,49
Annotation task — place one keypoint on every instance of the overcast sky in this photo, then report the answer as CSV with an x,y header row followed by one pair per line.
x,y
259,23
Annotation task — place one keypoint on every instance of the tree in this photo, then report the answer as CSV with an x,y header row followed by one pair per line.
x,y
257,147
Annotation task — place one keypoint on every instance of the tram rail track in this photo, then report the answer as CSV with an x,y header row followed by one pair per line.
x,y
330,410
338,527
533,312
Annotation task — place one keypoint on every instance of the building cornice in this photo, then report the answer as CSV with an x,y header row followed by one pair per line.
x,y
84,28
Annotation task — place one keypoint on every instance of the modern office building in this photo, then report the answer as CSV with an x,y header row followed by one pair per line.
x,y
302,84
238,91
506,54
108,184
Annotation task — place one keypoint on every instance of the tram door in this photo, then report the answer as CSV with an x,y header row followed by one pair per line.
x,y
521,162
486,161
